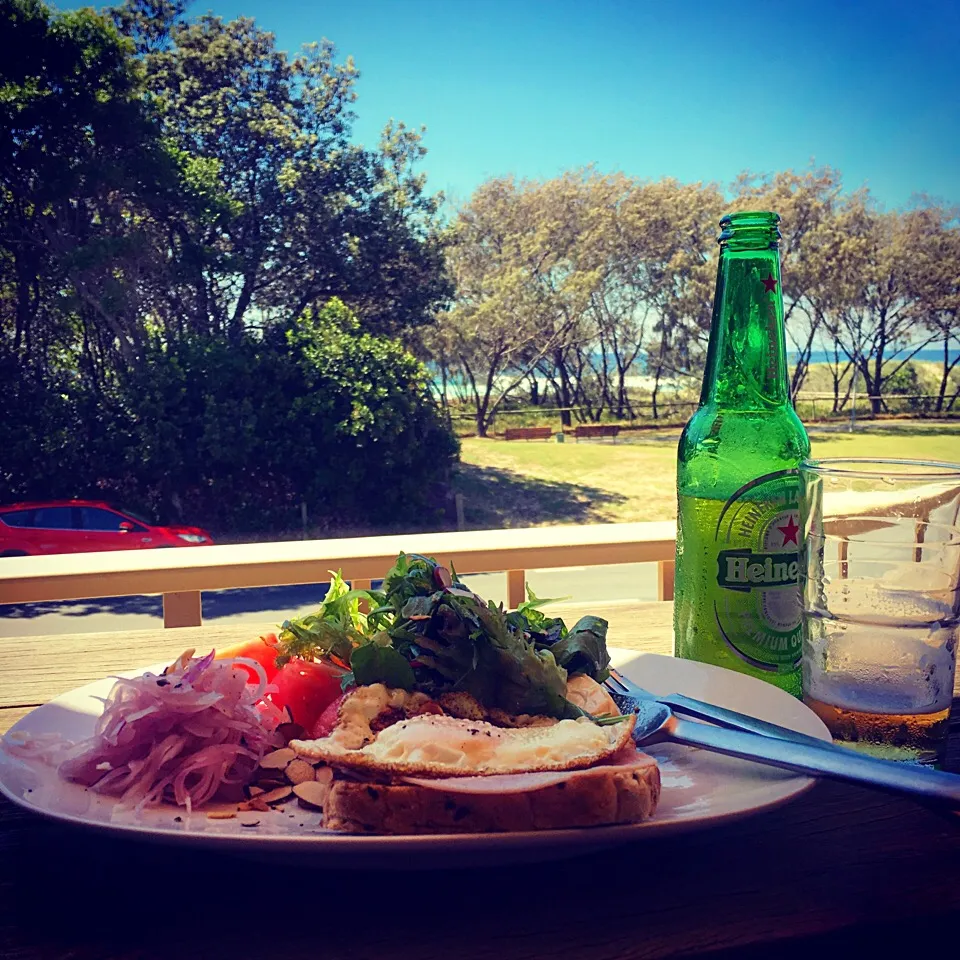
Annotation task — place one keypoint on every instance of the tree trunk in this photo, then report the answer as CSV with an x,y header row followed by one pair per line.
x,y
947,370
657,376
563,388
876,388
243,302
802,368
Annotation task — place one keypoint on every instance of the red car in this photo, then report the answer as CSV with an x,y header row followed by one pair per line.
x,y
80,526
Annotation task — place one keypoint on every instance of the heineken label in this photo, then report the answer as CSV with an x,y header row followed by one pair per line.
x,y
758,605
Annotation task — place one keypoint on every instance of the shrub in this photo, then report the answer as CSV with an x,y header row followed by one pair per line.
x,y
235,434
906,383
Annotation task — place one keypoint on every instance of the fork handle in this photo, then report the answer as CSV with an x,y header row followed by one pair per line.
x,y
838,762
735,721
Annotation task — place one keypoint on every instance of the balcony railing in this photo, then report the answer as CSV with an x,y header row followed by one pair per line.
x,y
182,574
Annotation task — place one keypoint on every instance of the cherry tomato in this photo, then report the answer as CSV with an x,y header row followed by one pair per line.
x,y
306,688
328,719
262,649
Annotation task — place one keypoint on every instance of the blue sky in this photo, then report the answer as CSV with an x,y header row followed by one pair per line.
x,y
693,90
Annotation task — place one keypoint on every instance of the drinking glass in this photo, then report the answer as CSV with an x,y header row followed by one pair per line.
x,y
881,601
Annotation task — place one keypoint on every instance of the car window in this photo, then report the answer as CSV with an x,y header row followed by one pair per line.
x,y
135,515
53,518
92,518
18,518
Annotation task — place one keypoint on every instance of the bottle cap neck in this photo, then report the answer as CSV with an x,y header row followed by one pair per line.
x,y
751,230
746,359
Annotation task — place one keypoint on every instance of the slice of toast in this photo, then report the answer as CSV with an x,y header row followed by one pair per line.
x,y
612,795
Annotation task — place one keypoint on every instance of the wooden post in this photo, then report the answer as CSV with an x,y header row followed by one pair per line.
x,y
666,572
516,588
182,609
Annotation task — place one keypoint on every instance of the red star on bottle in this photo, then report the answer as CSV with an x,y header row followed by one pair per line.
x,y
770,285
789,531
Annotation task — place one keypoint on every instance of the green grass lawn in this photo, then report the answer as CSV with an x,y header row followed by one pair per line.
x,y
520,483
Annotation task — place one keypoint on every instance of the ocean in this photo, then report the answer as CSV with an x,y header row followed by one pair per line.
x,y
930,354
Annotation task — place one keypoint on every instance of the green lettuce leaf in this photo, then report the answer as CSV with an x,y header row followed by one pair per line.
x,y
372,663
584,649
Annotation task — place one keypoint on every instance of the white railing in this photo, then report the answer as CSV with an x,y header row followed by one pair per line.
x,y
182,574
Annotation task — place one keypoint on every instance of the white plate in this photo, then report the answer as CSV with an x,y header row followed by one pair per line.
x,y
700,789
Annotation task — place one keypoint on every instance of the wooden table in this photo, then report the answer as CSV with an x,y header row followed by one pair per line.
x,y
840,868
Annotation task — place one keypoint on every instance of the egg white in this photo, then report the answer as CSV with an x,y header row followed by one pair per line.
x,y
436,745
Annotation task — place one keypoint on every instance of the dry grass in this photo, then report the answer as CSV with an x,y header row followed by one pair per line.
x,y
520,483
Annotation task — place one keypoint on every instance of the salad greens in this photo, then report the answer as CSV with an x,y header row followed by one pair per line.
x,y
426,630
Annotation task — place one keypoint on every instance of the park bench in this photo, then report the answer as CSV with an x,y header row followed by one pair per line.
x,y
527,433
590,430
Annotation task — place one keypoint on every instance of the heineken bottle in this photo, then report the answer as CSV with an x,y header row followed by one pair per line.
x,y
739,541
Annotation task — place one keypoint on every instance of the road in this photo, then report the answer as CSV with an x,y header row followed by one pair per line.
x,y
623,582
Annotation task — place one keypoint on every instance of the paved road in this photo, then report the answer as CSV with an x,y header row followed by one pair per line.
x,y
274,604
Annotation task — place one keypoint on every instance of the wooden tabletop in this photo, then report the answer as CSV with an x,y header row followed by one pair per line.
x,y
839,868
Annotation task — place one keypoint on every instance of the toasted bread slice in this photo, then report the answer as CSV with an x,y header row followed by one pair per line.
x,y
626,793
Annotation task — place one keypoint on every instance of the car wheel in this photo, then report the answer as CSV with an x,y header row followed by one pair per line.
x,y
14,553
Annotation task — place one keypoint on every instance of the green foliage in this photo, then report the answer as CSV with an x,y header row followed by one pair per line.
x,y
906,382
183,224
239,432
429,632
319,413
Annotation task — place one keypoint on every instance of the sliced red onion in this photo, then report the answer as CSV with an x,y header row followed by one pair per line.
x,y
182,734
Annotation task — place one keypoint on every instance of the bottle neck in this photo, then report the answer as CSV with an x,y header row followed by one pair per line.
x,y
746,358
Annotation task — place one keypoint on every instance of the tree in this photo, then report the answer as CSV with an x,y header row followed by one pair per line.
x,y
646,241
672,237
80,167
807,204
875,278
936,279
174,202
286,212
518,298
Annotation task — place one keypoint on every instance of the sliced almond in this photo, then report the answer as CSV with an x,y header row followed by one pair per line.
x,y
312,793
298,771
247,822
278,759
275,796
323,774
257,804
254,791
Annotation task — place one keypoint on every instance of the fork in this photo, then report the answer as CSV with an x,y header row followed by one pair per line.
x,y
626,694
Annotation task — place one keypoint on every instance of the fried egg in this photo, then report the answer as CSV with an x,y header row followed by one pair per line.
x,y
438,745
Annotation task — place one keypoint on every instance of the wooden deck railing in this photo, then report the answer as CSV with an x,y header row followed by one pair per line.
x,y
180,575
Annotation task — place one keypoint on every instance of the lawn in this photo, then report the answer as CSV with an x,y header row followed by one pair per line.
x,y
520,483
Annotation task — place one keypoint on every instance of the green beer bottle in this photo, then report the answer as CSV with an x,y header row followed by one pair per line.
x,y
739,542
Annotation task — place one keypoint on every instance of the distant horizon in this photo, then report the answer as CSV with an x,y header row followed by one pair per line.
x,y
926,355
532,89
